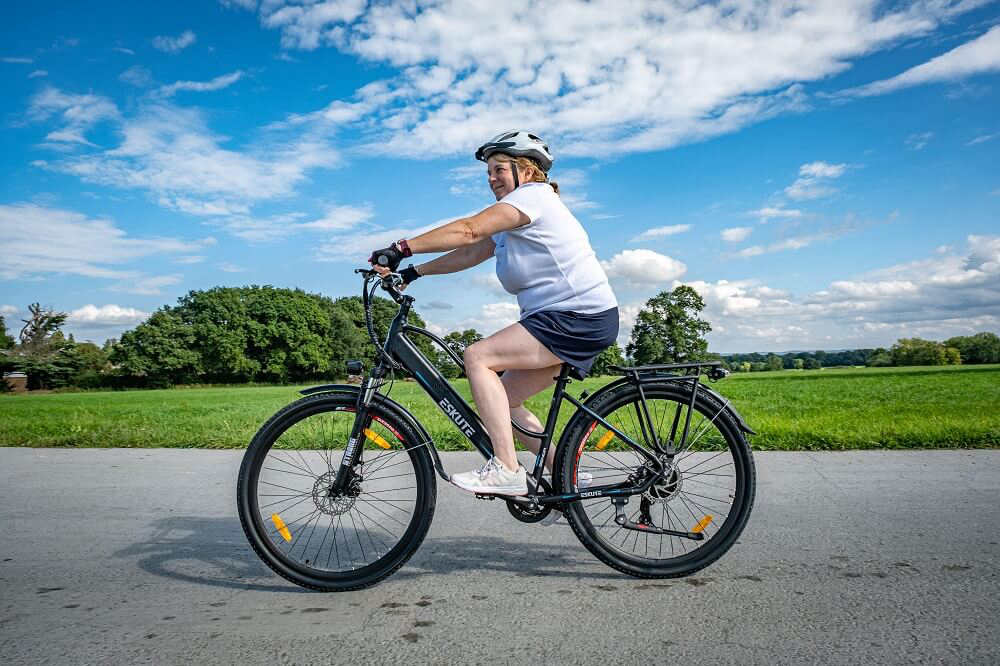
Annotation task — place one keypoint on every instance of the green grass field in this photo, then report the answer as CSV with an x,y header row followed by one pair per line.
x,y
930,407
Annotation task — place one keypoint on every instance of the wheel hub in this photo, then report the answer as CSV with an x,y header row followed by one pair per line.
x,y
327,502
667,486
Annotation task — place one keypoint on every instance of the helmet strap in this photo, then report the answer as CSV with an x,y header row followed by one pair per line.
x,y
513,169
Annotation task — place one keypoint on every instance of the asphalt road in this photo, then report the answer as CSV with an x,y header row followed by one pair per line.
x,y
137,556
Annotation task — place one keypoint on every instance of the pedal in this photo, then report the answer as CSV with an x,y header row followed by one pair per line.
x,y
486,497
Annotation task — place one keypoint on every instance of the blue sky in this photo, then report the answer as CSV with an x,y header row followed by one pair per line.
x,y
823,173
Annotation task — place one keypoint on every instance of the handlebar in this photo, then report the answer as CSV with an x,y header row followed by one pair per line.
x,y
390,283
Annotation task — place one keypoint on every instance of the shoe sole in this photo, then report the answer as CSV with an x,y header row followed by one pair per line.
x,y
509,492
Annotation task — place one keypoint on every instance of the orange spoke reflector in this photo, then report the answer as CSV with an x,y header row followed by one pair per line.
x,y
603,441
374,436
702,524
282,528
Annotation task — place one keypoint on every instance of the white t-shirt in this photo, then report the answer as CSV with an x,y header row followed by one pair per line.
x,y
549,263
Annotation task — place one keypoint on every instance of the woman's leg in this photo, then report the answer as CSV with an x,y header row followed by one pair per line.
x,y
512,348
521,385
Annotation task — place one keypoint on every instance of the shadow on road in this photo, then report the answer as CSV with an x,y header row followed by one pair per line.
x,y
215,552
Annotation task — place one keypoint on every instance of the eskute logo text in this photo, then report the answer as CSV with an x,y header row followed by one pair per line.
x,y
453,414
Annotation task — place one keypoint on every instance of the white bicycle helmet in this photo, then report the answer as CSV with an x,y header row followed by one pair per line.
x,y
519,144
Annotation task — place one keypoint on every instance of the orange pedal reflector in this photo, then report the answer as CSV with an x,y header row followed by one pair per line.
x,y
702,524
374,436
603,441
282,528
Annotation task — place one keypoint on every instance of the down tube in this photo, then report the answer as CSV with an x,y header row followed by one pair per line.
x,y
443,395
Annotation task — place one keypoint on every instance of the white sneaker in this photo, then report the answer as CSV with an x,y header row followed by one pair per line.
x,y
493,479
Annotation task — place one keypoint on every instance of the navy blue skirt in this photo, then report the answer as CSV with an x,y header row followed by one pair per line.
x,y
576,338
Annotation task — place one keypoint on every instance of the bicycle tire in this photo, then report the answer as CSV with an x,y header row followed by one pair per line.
x,y
709,416
316,421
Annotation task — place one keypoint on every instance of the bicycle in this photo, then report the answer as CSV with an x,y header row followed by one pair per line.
x,y
337,490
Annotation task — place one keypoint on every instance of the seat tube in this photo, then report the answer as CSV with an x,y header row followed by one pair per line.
x,y
550,423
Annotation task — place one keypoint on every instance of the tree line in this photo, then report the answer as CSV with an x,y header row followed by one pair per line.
x,y
272,335
970,350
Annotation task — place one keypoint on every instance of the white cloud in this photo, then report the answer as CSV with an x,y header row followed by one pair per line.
x,y
171,153
121,49
813,181
918,141
339,218
147,286
17,60
106,315
76,113
174,44
769,213
792,243
978,56
137,76
638,267
661,232
6,310
736,234
983,139
490,282
948,293
37,73
228,267
190,259
41,241
218,83
635,76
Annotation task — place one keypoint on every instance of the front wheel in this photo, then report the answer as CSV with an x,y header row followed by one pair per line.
x,y
322,540
707,488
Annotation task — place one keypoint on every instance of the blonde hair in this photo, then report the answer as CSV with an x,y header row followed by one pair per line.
x,y
527,166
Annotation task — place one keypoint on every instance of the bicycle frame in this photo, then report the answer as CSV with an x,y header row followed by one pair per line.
x,y
403,351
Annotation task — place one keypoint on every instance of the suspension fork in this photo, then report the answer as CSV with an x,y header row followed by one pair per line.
x,y
362,420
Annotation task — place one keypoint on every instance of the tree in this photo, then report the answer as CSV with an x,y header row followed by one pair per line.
x,y
774,362
979,348
745,366
668,329
812,364
457,342
798,363
159,351
952,356
916,351
607,358
6,341
40,348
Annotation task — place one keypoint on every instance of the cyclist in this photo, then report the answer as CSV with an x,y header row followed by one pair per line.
x,y
568,312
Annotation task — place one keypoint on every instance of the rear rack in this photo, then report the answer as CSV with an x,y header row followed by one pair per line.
x,y
714,369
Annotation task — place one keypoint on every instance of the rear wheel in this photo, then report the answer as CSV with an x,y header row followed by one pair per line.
x,y
326,541
707,488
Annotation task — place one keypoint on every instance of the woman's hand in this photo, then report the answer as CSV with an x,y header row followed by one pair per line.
x,y
383,271
388,258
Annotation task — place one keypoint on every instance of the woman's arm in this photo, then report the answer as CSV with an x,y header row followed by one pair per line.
x,y
469,230
460,259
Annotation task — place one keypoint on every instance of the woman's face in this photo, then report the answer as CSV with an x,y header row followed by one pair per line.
x,y
500,176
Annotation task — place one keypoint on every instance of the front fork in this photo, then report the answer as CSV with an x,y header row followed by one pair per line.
x,y
355,443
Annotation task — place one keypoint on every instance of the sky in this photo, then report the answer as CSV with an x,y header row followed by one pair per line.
x,y
824,174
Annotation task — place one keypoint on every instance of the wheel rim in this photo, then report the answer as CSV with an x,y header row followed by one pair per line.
x,y
327,536
700,491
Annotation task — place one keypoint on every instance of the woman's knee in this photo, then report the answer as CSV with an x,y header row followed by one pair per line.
x,y
475,354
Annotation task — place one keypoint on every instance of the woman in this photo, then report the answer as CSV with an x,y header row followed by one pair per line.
x,y
569,314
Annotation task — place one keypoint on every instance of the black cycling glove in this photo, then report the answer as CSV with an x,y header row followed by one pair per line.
x,y
409,274
388,257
